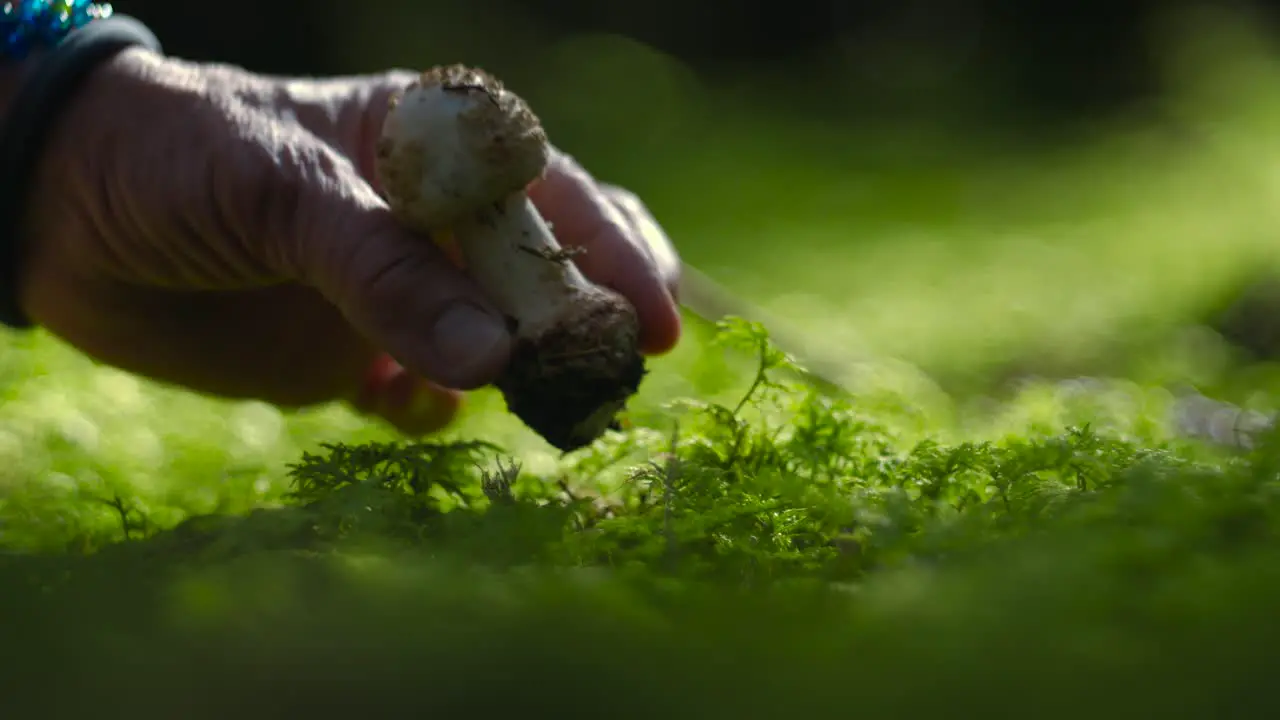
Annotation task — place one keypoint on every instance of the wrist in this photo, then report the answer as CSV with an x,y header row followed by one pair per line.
x,y
11,75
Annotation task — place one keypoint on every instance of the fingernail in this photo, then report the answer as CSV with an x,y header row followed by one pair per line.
x,y
470,343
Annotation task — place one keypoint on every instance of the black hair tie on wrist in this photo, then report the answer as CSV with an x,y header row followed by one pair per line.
x,y
46,89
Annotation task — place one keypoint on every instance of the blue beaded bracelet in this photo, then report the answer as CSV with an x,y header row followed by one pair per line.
x,y
73,37
26,25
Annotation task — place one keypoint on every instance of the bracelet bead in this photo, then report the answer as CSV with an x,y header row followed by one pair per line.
x,y
27,25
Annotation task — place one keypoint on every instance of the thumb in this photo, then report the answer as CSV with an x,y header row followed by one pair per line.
x,y
397,288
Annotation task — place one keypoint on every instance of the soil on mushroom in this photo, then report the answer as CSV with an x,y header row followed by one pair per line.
x,y
569,381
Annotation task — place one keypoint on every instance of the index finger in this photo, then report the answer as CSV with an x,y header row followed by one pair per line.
x,y
581,215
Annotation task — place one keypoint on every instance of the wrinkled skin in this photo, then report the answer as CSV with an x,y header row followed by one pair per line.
x,y
220,230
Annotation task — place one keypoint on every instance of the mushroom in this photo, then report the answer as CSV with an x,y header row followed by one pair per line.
x,y
456,154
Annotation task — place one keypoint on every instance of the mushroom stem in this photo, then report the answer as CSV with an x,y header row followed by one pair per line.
x,y
510,251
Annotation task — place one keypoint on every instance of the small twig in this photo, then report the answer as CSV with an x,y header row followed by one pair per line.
x,y
497,484
117,503
668,491
560,257
568,492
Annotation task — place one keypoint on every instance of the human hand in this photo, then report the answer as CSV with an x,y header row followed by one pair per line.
x,y
220,230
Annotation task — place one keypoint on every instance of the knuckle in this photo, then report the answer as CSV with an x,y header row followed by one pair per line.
x,y
353,269
370,282
626,200
397,78
566,167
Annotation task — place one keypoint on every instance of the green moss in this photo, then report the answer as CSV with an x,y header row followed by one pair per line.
x,y
784,555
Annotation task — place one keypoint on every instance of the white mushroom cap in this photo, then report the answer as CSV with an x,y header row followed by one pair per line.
x,y
454,142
